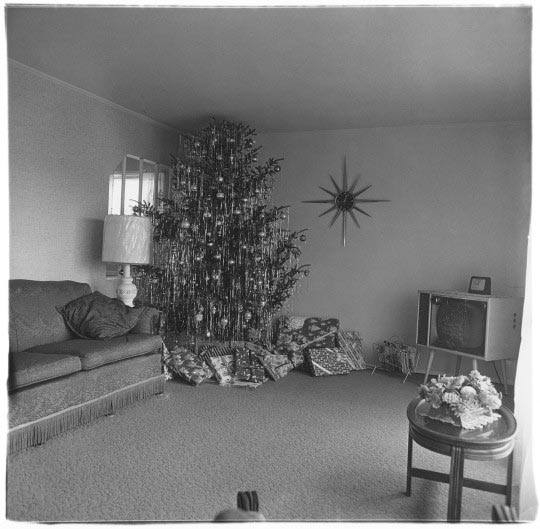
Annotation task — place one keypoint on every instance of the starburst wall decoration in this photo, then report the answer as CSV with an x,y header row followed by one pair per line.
x,y
345,201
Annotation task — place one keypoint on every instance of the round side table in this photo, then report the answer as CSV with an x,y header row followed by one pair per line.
x,y
491,442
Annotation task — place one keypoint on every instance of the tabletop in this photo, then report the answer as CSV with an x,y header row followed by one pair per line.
x,y
496,433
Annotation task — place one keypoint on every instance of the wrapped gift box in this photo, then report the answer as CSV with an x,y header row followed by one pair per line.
x,y
276,365
252,373
296,358
224,368
187,365
325,362
247,366
296,333
351,344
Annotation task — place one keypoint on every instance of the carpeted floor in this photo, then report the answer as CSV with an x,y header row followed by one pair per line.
x,y
328,448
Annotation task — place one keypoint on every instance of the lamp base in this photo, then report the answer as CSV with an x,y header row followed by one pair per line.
x,y
126,290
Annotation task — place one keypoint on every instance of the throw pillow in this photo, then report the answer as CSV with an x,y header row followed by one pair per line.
x,y
97,317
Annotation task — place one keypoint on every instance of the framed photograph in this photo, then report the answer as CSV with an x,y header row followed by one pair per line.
x,y
480,285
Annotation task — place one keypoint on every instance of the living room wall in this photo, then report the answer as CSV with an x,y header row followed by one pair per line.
x,y
460,199
459,205
63,145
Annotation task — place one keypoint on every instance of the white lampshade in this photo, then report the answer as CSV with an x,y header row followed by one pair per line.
x,y
127,239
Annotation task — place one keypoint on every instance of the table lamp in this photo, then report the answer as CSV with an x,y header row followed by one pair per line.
x,y
127,240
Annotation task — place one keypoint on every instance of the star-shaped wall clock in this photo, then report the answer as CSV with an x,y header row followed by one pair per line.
x,y
345,201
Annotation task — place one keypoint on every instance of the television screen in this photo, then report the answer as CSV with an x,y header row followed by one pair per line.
x,y
461,325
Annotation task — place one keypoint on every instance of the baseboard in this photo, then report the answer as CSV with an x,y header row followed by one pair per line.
x,y
37,432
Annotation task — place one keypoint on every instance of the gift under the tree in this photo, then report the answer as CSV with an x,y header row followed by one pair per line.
x,y
247,366
220,359
277,366
329,361
296,333
224,368
187,365
351,344
297,358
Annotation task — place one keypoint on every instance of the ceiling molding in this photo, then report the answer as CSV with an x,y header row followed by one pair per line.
x,y
90,95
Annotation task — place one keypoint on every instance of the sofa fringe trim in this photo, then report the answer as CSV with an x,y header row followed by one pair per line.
x,y
37,432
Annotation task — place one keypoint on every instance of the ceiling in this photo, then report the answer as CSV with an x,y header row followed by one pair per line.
x,y
287,69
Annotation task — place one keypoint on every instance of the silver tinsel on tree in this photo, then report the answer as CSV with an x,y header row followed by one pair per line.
x,y
225,260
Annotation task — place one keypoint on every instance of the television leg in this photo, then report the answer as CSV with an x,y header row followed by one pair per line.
x,y
428,367
475,364
504,380
458,365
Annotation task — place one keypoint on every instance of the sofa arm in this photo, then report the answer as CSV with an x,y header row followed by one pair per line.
x,y
149,322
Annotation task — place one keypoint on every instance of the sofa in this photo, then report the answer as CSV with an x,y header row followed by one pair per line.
x,y
58,380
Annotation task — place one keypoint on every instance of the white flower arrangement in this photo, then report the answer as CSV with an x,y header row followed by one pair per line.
x,y
470,398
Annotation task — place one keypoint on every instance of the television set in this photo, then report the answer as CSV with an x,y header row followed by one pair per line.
x,y
477,326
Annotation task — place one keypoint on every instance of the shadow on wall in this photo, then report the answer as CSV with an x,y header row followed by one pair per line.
x,y
91,237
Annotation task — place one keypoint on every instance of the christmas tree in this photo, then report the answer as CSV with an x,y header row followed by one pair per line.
x,y
225,260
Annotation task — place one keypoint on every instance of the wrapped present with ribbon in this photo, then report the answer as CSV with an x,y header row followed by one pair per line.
x,y
187,365
297,333
351,343
326,362
277,366
263,355
221,362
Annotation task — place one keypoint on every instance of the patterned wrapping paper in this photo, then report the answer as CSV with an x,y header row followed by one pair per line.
x,y
231,366
222,367
315,333
351,344
325,362
297,358
187,365
248,367
322,332
277,366
284,369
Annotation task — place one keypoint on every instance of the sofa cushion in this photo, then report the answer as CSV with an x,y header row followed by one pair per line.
x,y
33,318
95,353
99,317
30,368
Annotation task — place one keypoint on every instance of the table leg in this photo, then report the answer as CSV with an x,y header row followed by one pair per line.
x,y
475,364
429,362
509,471
409,465
456,484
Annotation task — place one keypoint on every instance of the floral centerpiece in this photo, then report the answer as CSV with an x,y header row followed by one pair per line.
x,y
466,401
